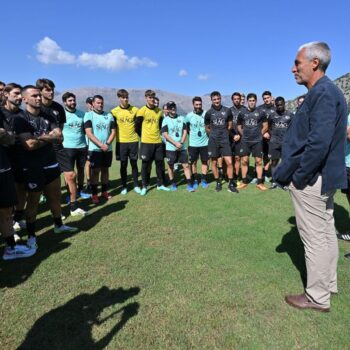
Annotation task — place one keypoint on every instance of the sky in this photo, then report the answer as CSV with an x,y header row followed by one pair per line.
x,y
188,47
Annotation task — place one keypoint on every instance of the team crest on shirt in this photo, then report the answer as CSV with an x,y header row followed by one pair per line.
x,y
56,113
222,113
32,185
143,156
256,114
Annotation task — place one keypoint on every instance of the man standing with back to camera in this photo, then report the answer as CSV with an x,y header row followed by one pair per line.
x,y
313,164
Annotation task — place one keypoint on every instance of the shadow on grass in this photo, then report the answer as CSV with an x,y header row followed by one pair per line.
x,y
341,217
293,246
70,326
16,272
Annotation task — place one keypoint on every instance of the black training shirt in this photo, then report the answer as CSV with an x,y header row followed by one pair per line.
x,y
218,120
251,122
278,125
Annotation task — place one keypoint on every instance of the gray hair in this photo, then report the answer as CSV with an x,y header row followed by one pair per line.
x,y
320,50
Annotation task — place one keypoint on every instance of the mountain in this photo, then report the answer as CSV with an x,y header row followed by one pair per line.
x,y
184,103
342,82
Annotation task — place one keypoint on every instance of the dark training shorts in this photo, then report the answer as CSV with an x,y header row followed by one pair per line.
x,y
275,150
347,190
219,148
151,151
125,150
8,196
254,149
61,158
173,157
100,159
236,146
74,157
195,152
36,178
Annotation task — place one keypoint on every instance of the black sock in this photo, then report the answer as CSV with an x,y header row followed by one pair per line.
x,y
231,182
94,189
104,187
10,241
218,181
193,176
58,221
80,188
204,177
245,180
259,181
31,229
189,182
18,215
73,206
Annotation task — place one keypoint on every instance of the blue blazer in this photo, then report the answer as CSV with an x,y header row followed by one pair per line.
x,y
315,141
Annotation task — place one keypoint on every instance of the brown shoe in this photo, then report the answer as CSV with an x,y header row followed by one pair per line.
x,y
242,186
302,302
261,187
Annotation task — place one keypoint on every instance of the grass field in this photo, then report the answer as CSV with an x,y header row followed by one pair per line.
x,y
178,270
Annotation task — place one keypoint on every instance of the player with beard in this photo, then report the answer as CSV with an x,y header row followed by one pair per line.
x,y
12,100
127,143
252,124
37,132
74,144
218,125
236,108
2,87
198,142
100,129
278,125
8,199
148,125
268,108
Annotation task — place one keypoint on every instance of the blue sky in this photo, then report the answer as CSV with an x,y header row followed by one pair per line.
x,y
188,47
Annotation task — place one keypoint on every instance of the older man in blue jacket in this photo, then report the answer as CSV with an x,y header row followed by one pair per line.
x,y
313,165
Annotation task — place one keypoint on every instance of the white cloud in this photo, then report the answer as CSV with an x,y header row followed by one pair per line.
x,y
203,77
183,72
49,52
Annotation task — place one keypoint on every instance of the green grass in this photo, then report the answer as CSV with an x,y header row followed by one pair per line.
x,y
179,270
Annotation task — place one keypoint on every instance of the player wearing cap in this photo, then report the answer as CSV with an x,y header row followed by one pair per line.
x,y
218,125
127,141
198,142
148,125
174,131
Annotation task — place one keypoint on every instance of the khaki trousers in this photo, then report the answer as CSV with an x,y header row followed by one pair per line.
x,y
315,222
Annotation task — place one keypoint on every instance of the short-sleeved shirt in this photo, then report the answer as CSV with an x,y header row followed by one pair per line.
x,y
125,123
73,130
267,109
197,135
174,127
235,112
101,125
347,151
218,120
150,124
56,112
4,161
278,125
36,126
251,122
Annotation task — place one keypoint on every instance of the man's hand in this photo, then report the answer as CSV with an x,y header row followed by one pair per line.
x,y
236,138
267,136
178,145
6,139
104,148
